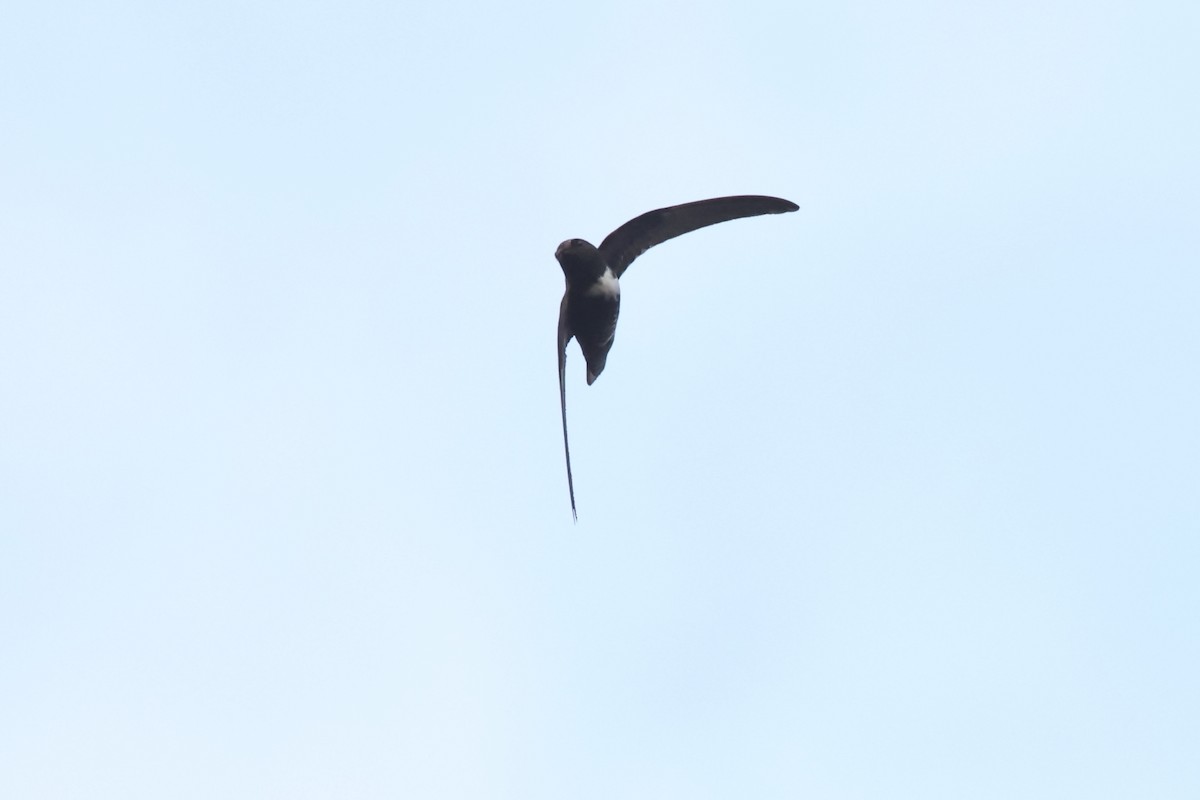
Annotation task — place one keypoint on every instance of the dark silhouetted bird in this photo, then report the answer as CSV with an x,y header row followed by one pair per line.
x,y
593,296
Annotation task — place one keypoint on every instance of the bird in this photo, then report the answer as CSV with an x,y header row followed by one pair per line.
x,y
592,300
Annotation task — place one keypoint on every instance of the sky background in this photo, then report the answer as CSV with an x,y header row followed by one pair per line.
x,y
894,497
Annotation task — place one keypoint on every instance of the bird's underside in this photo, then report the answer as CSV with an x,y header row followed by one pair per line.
x,y
592,299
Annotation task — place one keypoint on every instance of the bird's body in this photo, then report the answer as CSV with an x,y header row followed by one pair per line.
x,y
590,304
592,299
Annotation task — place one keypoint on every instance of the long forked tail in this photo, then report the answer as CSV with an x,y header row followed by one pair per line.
x,y
562,400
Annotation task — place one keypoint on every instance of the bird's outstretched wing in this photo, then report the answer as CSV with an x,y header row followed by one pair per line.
x,y
635,237
564,336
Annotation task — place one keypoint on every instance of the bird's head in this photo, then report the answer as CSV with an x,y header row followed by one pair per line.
x,y
571,247
580,261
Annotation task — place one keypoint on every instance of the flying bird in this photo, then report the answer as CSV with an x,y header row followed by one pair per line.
x,y
590,304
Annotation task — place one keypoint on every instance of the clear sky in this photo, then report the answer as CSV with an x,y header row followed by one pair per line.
x,y
893,497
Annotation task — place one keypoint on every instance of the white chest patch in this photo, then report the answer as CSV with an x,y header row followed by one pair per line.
x,y
607,285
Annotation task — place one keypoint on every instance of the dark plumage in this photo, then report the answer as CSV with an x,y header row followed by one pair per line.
x,y
592,300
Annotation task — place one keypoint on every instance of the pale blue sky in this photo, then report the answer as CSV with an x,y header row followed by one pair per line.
x,y
894,497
